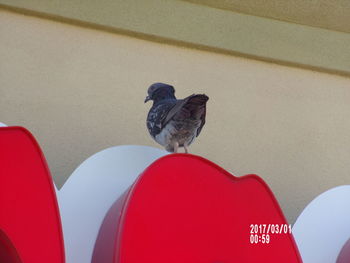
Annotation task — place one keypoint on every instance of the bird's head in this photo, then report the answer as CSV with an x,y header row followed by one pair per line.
x,y
159,91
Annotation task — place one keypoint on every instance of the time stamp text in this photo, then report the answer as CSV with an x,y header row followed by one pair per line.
x,y
262,233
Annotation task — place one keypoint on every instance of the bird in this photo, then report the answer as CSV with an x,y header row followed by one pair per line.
x,y
172,122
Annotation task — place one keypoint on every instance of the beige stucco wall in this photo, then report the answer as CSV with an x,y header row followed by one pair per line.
x,y
81,90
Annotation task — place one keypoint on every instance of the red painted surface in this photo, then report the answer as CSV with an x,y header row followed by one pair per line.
x,y
344,255
186,209
183,208
30,225
8,253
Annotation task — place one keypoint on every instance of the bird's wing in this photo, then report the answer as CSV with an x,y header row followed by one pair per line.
x,y
193,107
158,116
202,120
177,108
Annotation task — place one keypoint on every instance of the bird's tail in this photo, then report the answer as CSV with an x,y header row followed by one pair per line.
x,y
197,99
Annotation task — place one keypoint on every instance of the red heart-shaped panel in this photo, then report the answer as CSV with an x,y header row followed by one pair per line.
x,y
186,209
30,227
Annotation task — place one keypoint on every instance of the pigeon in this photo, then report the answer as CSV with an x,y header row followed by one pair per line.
x,y
174,123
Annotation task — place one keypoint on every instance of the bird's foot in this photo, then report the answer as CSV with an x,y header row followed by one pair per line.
x,y
176,147
186,148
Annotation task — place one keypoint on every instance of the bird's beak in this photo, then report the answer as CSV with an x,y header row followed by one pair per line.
x,y
147,99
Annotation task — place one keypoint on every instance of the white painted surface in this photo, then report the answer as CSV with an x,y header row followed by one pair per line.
x,y
2,124
90,191
323,227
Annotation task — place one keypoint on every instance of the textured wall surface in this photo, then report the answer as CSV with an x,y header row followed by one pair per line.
x,y
216,29
331,14
81,90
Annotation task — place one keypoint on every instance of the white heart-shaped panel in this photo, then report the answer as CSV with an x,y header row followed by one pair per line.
x,y
322,228
91,190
